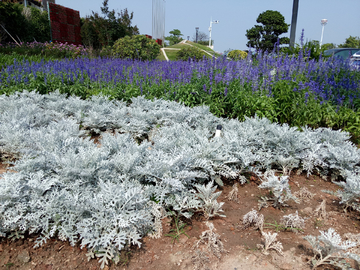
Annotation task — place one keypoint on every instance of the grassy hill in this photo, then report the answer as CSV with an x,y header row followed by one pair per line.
x,y
171,51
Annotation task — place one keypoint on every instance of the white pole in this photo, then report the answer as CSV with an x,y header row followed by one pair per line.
x,y
210,33
322,34
323,23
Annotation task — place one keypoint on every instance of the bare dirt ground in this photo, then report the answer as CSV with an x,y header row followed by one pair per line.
x,y
241,251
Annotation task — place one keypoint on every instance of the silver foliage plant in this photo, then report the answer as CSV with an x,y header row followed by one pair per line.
x,y
66,186
330,249
279,186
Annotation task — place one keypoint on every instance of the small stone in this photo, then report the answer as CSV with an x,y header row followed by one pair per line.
x,y
23,257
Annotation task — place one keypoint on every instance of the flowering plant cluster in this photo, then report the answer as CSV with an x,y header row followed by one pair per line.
x,y
44,49
64,50
283,88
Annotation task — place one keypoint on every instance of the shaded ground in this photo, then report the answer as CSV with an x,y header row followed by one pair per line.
x,y
240,244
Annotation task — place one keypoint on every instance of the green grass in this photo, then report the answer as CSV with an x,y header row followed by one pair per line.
x,y
203,47
171,54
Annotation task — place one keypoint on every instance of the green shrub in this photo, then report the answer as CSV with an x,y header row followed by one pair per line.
x,y
136,47
25,24
237,54
190,52
63,50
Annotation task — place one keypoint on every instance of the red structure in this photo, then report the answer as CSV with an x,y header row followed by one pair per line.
x,y
158,41
65,24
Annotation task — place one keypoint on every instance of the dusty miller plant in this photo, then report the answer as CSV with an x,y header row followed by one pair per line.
x,y
152,151
293,222
270,243
330,249
279,187
211,207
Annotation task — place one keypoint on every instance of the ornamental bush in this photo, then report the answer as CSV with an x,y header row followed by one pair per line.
x,y
237,54
190,52
136,47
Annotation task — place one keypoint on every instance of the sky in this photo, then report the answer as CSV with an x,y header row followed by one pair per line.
x,y
237,16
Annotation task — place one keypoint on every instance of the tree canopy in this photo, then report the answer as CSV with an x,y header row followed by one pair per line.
x,y
263,37
351,42
98,31
175,37
24,24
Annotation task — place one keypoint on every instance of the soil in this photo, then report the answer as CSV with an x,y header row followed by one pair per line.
x,y
240,244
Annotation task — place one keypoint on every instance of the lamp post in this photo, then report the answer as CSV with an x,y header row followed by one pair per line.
x,y
211,22
323,23
293,23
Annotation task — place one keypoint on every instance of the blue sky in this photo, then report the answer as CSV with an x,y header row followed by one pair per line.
x,y
236,16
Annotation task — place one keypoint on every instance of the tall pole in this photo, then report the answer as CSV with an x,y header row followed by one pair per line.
x,y
210,28
293,23
323,23
210,33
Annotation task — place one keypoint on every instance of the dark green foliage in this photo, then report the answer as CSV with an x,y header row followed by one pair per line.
x,y
136,47
328,46
190,52
175,37
310,50
98,31
23,24
351,42
263,37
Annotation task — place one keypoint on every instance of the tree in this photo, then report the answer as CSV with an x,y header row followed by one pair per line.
x,y
24,24
328,46
351,42
202,39
263,37
136,47
98,31
175,37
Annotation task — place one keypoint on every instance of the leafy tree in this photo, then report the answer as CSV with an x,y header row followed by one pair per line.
x,y
263,37
136,47
24,24
328,46
98,31
203,38
351,42
175,37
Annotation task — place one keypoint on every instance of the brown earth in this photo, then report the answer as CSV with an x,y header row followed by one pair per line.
x,y
240,244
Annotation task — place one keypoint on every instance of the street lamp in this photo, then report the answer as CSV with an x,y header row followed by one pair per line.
x,y
323,23
211,22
